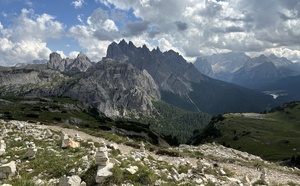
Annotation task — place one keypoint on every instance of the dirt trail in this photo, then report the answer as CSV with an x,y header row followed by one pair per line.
x,y
71,132
239,170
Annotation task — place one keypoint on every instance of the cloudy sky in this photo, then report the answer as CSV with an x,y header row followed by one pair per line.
x,y
32,29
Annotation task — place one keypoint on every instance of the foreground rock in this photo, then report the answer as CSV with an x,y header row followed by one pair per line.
x,y
208,164
8,170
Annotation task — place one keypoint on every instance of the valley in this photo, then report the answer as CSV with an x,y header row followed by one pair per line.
x,y
191,129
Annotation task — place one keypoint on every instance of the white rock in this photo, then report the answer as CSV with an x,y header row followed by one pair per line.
x,y
18,139
132,169
222,172
198,180
6,184
77,138
74,180
39,182
82,183
47,133
103,172
8,169
101,158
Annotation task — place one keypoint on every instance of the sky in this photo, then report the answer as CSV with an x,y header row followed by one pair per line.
x,y
32,29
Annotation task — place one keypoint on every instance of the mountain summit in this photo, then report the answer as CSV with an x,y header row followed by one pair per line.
x,y
181,84
80,63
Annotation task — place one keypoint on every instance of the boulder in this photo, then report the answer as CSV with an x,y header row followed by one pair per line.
x,y
7,170
101,157
70,143
103,172
74,180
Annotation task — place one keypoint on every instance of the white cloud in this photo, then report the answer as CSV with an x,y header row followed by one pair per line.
x,y
73,54
77,4
25,40
205,27
61,53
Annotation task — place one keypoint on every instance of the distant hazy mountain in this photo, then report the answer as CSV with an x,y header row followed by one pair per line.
x,y
181,84
43,61
249,72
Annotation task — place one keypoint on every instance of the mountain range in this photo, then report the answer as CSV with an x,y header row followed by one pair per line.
x,y
128,80
181,84
261,73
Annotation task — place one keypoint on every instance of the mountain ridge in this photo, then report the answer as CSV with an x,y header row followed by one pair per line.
x,y
180,82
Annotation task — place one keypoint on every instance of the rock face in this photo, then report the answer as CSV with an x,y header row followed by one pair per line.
x,y
115,88
181,84
81,63
109,86
169,70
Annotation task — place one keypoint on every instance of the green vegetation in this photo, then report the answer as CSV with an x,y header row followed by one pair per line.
x,y
70,112
273,136
175,122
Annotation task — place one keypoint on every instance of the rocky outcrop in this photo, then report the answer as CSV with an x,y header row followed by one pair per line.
x,y
81,63
114,88
169,70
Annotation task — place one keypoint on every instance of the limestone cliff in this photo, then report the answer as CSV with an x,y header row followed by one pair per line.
x,y
112,87
80,63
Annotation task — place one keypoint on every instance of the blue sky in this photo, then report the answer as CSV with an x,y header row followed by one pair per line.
x,y
32,29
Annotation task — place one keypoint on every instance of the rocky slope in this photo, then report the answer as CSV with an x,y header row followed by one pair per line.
x,y
111,87
181,84
35,154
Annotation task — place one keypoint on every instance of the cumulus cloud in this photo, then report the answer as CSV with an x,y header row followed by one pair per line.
x,y
204,27
94,36
77,4
136,28
26,38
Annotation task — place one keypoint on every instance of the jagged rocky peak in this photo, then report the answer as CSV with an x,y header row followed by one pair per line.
x,y
80,63
55,58
114,51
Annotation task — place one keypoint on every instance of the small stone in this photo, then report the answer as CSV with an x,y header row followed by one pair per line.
x,y
222,172
18,139
29,170
132,169
113,146
31,153
77,138
2,147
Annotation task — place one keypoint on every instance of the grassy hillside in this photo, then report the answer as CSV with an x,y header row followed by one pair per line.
x,y
273,136
176,122
70,112
169,122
